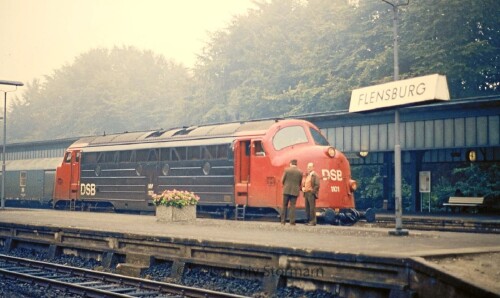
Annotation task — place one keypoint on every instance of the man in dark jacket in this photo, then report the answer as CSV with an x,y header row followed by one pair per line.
x,y
310,187
292,179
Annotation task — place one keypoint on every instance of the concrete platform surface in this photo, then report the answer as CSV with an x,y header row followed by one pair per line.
x,y
357,240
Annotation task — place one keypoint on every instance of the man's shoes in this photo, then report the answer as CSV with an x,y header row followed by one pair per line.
x,y
292,224
310,224
283,223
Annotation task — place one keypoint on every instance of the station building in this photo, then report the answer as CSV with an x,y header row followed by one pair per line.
x,y
450,133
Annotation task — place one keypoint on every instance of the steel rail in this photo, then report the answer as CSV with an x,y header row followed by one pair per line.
x,y
91,283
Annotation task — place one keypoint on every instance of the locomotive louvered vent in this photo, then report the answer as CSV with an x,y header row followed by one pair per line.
x,y
155,134
184,131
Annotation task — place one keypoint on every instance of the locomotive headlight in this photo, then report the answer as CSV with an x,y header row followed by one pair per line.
x,y
331,151
353,184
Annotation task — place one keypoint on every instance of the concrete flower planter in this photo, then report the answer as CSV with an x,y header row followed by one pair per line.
x,y
170,214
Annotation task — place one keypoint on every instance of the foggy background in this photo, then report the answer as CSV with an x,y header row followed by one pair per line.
x,y
38,36
100,67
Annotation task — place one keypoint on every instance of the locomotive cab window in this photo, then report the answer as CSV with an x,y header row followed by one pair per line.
x,y
258,148
289,136
67,157
318,138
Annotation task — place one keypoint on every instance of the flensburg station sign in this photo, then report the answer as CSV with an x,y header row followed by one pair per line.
x,y
404,92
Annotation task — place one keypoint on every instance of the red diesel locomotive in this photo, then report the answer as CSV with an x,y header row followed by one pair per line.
x,y
235,169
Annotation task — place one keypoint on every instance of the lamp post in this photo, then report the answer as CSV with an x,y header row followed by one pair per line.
x,y
8,83
397,146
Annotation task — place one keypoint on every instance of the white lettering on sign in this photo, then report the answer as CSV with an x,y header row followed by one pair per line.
x,y
87,189
334,175
432,87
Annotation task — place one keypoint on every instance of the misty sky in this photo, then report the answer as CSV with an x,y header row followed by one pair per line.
x,y
39,36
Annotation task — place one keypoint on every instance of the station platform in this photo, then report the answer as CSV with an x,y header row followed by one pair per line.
x,y
352,240
355,256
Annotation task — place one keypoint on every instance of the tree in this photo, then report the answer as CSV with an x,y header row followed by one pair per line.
x,y
291,57
103,91
283,58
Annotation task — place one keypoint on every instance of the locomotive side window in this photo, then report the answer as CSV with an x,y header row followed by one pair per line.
x,y
193,153
223,151
110,157
319,139
142,155
165,154
210,152
101,157
289,136
153,155
206,154
175,154
89,158
181,152
77,158
125,156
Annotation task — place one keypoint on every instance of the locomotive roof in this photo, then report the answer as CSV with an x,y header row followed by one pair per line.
x,y
221,132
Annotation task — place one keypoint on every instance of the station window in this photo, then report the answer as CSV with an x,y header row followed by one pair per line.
x,y
289,136
23,175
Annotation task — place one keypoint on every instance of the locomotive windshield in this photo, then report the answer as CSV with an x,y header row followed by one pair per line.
x,y
289,136
319,139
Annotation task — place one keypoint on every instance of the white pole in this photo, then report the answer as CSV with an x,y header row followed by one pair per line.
x,y
9,83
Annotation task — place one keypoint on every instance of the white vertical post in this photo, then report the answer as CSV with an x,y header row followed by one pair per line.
x,y
16,84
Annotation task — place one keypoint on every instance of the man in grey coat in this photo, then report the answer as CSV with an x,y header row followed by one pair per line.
x,y
292,180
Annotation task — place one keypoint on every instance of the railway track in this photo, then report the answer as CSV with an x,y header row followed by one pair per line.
x,y
441,223
89,283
